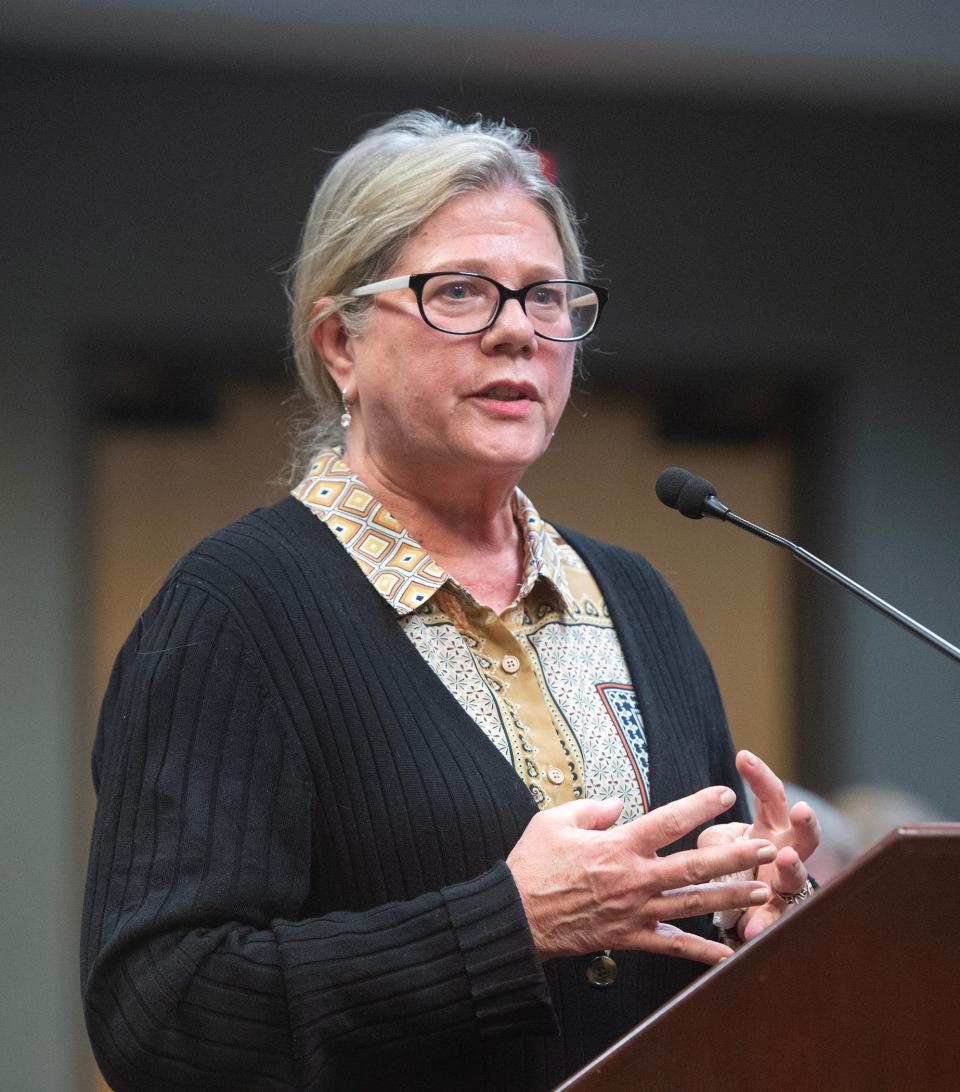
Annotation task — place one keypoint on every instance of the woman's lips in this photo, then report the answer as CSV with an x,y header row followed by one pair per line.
x,y
508,391
507,399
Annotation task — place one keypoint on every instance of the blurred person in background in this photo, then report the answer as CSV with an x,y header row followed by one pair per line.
x,y
853,819
872,811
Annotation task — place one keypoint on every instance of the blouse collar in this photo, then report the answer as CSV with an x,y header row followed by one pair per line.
x,y
391,559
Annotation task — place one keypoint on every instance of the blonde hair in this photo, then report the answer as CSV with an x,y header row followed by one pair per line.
x,y
369,204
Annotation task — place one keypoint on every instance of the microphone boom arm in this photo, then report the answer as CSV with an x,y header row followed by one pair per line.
x,y
718,510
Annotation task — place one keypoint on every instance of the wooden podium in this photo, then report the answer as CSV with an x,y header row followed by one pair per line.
x,y
857,989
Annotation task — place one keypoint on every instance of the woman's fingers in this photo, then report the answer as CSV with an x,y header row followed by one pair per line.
x,y
770,800
797,826
664,825
585,885
806,829
693,866
583,814
789,874
707,898
668,940
722,834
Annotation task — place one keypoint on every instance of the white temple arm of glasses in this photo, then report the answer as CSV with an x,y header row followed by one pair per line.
x,y
382,286
589,300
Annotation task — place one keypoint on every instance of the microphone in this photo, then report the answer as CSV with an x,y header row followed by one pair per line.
x,y
695,498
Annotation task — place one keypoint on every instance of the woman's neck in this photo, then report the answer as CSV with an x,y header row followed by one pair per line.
x,y
467,526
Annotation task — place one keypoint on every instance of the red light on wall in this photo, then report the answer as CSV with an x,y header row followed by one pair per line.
x,y
548,165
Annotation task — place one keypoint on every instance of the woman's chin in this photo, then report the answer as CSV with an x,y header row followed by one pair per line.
x,y
501,453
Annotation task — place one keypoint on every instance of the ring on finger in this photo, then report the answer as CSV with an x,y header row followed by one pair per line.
x,y
791,898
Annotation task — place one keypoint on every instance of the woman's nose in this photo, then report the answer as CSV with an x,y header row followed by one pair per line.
x,y
512,327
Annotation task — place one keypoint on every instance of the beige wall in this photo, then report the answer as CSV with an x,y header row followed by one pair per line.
x,y
156,492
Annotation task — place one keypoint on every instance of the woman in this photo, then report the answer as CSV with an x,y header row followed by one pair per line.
x,y
361,763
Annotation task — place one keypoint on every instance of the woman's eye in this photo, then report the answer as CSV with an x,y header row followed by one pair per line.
x,y
456,292
545,296
453,291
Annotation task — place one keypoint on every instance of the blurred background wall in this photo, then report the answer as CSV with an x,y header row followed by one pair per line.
x,y
770,192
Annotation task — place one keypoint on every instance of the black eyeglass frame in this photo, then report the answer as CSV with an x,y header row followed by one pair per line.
x,y
416,282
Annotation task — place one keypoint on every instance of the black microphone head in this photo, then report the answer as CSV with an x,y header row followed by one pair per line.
x,y
678,488
670,483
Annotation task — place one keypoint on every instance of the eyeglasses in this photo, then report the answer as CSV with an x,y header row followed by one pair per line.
x,y
466,303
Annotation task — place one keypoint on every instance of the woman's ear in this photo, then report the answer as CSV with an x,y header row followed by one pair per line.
x,y
334,346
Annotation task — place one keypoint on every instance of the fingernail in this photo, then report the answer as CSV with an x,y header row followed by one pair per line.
x,y
727,797
760,896
751,758
766,854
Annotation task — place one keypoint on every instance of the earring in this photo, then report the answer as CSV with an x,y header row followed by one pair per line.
x,y
345,417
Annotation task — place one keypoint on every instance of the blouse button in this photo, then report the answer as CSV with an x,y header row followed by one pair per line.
x,y
510,664
555,776
602,971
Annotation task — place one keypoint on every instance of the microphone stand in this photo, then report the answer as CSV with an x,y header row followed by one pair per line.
x,y
718,510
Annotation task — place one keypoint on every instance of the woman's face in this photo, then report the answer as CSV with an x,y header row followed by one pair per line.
x,y
426,402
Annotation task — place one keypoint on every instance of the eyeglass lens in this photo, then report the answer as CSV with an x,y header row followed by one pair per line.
x,y
465,304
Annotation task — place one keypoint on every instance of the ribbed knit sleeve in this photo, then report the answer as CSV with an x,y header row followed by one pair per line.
x,y
203,965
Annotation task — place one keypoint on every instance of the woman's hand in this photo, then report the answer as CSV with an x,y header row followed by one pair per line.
x,y
587,885
794,831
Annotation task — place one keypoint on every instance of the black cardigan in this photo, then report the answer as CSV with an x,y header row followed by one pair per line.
x,y
296,878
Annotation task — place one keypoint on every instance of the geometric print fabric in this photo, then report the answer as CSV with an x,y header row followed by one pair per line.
x,y
397,566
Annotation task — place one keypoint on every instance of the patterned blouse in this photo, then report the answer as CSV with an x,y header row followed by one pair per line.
x,y
545,679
